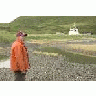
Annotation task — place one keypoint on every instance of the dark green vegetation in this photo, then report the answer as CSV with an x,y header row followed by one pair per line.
x,y
6,37
59,37
3,57
72,57
4,26
51,24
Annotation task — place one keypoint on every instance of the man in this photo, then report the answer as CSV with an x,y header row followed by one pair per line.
x,y
19,60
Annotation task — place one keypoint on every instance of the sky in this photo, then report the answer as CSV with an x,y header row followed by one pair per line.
x,y
11,9
7,19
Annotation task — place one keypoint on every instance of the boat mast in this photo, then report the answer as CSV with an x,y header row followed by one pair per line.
x,y
74,25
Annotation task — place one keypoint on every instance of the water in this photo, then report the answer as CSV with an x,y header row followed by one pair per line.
x,y
5,64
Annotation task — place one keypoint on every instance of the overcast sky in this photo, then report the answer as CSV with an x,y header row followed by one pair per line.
x,y
11,9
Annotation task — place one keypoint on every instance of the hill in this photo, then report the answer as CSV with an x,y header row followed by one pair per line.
x,y
53,24
4,26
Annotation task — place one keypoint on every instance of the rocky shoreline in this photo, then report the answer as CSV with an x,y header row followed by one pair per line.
x,y
52,68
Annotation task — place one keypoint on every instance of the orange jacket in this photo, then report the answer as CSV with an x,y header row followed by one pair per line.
x,y
19,60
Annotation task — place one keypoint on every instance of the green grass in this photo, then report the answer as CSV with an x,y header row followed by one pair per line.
x,y
3,57
6,37
59,37
50,24
72,57
5,26
53,24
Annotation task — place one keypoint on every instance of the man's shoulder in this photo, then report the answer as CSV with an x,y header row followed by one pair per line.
x,y
16,44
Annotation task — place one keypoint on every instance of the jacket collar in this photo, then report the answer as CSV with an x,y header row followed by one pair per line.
x,y
18,39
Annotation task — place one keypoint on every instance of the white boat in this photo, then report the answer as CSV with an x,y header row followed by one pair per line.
x,y
73,31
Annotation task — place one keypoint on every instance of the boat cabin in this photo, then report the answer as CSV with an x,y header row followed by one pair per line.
x,y
73,31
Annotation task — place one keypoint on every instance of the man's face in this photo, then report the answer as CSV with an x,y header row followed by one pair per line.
x,y
22,38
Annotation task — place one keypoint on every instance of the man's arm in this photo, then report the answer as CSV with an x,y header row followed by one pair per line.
x,y
26,56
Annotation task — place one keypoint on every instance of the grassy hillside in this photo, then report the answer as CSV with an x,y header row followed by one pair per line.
x,y
6,37
53,24
46,25
50,24
4,26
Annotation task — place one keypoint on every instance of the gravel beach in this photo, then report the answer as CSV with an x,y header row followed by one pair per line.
x,y
52,68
